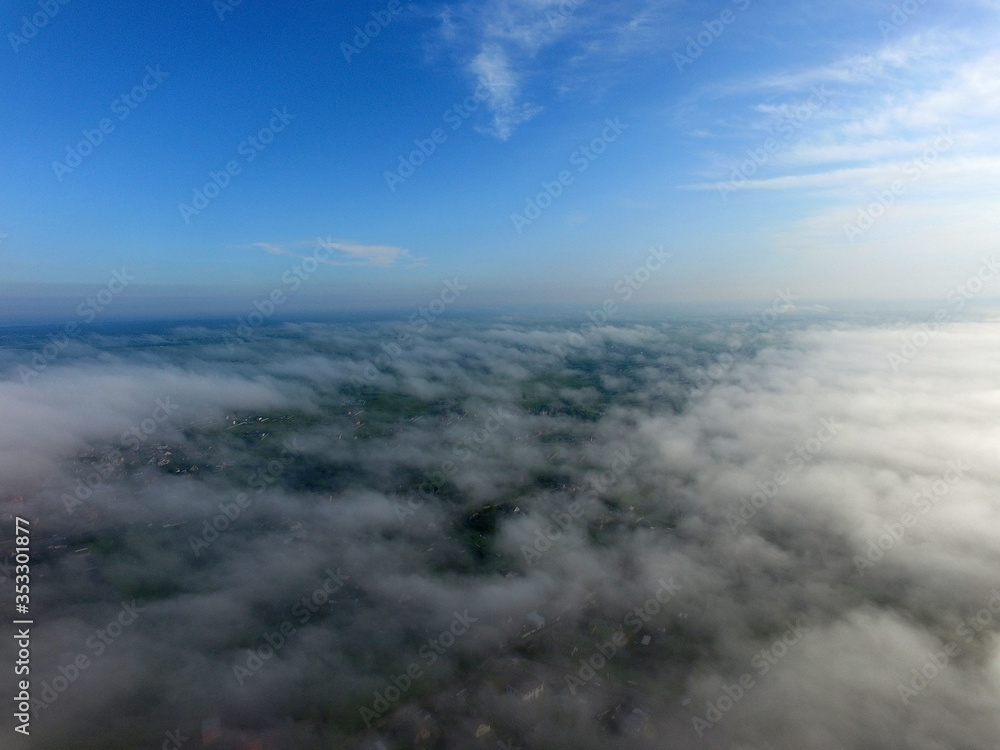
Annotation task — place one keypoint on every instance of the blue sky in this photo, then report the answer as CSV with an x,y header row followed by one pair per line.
x,y
750,139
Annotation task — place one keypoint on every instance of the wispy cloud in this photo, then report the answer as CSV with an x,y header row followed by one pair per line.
x,y
881,109
351,253
951,173
881,124
500,45
494,73
864,179
368,255
270,247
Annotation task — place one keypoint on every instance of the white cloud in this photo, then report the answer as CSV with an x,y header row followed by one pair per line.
x,y
859,446
493,73
881,122
371,255
500,44
352,253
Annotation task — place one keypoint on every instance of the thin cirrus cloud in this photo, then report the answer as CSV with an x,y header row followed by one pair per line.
x,y
499,44
877,111
494,73
350,253
917,112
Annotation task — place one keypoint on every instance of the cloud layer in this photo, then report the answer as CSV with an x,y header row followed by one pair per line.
x,y
686,534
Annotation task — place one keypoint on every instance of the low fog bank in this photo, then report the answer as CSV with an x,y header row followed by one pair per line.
x,y
495,535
